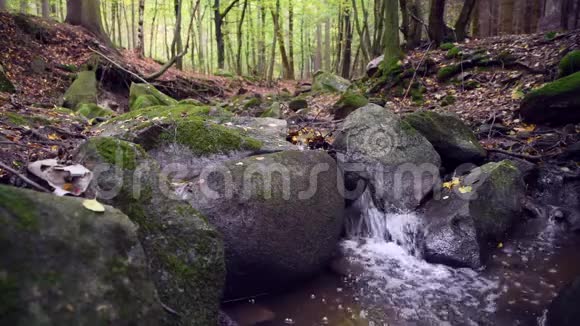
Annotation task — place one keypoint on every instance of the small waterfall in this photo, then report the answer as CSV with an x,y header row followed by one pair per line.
x,y
367,221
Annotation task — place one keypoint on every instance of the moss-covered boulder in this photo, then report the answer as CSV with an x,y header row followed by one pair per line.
x,y
347,103
82,90
274,111
145,95
281,216
92,111
5,83
190,101
448,72
569,64
451,138
470,216
329,82
400,165
556,103
298,103
563,310
185,254
62,264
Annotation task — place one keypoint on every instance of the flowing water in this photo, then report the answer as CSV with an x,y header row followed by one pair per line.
x,y
385,281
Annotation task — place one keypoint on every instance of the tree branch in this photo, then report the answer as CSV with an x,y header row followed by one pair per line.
x,y
230,7
166,66
21,176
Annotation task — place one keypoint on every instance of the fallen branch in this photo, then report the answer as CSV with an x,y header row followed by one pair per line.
x,y
415,72
519,155
166,66
24,178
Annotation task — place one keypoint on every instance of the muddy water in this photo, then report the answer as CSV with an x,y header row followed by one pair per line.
x,y
387,285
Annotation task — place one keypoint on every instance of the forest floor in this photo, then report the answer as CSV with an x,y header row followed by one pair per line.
x,y
41,58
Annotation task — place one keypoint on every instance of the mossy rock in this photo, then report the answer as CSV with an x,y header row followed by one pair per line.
x,y
448,100
62,264
190,126
347,103
298,103
569,64
473,216
82,90
454,52
450,137
275,111
446,46
329,82
274,235
185,254
5,83
190,101
253,102
155,97
555,103
92,111
447,72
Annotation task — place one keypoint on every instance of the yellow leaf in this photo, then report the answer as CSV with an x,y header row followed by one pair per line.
x,y
68,187
93,205
54,148
517,94
465,189
500,245
53,137
451,184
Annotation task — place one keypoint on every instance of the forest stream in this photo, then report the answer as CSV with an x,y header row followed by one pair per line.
x,y
383,280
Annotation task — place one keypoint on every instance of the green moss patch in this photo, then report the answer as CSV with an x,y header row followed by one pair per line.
x,y
82,90
558,87
91,111
569,64
446,46
447,72
454,52
5,83
152,96
19,207
115,151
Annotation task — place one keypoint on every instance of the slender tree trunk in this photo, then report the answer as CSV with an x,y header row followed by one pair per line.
x,y
219,17
347,49
291,36
153,29
463,20
129,32
45,9
133,26
3,5
272,60
140,48
416,28
318,56
392,47
288,73
177,44
403,5
240,37
327,46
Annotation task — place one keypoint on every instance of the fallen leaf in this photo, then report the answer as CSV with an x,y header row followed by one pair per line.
x,y
451,184
93,205
464,189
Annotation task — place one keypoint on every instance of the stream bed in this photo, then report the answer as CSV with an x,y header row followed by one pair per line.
x,y
382,280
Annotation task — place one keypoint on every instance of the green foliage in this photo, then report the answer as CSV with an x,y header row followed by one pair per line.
x,y
91,111
569,64
448,100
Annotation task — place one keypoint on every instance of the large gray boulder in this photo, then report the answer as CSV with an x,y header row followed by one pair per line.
x,y
329,82
82,90
185,254
450,137
62,264
563,311
473,214
281,216
399,164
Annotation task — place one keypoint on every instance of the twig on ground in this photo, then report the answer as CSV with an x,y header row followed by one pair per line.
x,y
415,72
519,155
24,178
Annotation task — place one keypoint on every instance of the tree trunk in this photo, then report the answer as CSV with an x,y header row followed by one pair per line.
x,y
45,9
177,44
392,47
347,49
87,13
140,48
327,54
219,17
153,30
240,36
403,5
3,5
463,20
507,16
416,28
318,56
436,21
287,73
291,36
